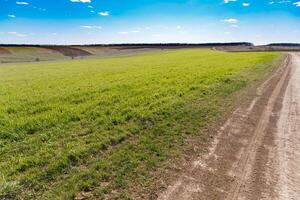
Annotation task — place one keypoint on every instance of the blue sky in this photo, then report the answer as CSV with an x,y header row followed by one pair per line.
x,y
136,21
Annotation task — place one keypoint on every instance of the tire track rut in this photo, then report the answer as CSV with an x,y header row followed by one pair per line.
x,y
249,159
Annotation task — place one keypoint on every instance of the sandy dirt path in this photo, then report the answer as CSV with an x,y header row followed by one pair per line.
x,y
287,139
256,154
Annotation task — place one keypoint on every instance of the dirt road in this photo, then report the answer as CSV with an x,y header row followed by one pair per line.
x,y
256,154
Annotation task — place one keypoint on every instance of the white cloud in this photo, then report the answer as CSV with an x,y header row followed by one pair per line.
x,y
246,4
90,7
11,16
178,27
92,11
284,1
40,9
81,1
297,4
271,2
22,3
135,31
104,13
156,35
91,27
228,1
234,26
230,20
127,32
17,34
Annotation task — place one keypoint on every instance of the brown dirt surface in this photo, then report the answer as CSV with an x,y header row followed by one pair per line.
x,y
4,51
256,153
69,51
113,51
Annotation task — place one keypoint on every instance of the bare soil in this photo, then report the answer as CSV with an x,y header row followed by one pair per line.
x,y
4,51
69,51
256,154
114,51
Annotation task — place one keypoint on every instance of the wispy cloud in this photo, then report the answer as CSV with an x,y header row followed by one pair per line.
x,y
156,35
284,1
30,5
127,32
40,9
104,13
230,20
228,1
11,16
123,32
22,3
135,31
91,27
17,34
246,4
81,1
297,4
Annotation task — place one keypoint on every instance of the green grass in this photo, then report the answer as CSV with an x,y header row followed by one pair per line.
x,y
104,124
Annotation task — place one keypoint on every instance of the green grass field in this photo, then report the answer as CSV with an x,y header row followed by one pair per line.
x,y
103,125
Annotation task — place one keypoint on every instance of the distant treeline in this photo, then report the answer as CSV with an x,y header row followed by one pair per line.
x,y
146,44
285,44
178,44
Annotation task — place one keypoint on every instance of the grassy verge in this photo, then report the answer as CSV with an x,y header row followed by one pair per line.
x,y
100,125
